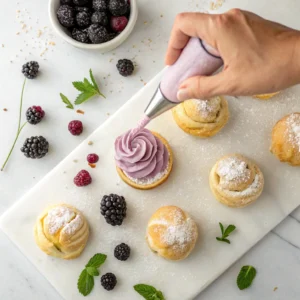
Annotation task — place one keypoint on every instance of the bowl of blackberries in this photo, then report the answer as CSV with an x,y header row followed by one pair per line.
x,y
93,24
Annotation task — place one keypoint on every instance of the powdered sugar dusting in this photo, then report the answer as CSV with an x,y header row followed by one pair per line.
x,y
293,131
233,169
147,181
73,226
58,217
206,107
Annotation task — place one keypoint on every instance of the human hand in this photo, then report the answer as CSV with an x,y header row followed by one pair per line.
x,y
259,56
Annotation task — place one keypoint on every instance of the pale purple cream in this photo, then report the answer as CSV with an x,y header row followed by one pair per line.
x,y
140,154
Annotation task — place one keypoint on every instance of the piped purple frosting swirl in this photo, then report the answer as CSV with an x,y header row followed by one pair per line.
x,y
140,154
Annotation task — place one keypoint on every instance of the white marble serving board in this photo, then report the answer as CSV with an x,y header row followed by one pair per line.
x,y
248,132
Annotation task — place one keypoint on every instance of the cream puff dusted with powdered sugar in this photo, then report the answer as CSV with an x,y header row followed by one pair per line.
x,y
171,233
236,181
61,231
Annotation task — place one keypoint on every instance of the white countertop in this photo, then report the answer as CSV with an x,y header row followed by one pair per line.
x,y
276,257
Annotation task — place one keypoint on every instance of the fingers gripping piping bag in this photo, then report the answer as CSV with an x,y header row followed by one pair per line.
x,y
197,58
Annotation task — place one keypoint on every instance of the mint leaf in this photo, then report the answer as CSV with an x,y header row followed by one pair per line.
x,y
66,101
84,96
97,260
78,85
92,271
245,277
222,227
94,81
85,283
228,230
225,233
149,292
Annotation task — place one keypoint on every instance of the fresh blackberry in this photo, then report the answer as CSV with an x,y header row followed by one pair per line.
x,y
125,67
118,7
34,115
80,2
99,17
122,252
82,8
113,208
111,36
80,35
35,147
66,2
30,69
66,15
97,34
109,281
100,5
83,19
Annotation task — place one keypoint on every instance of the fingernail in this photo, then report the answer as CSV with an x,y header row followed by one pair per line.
x,y
183,94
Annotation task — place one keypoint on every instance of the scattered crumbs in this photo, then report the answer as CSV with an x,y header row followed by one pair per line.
x,y
2,45
145,83
5,109
64,172
39,33
275,289
18,11
109,61
44,51
108,114
114,53
93,166
90,143
79,111
161,16
145,22
51,43
23,26
133,46
154,61
75,160
216,4
18,33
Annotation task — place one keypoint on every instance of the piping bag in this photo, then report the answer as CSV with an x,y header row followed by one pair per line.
x,y
197,58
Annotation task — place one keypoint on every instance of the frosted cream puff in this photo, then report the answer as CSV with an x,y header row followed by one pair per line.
x,y
236,181
61,231
202,118
285,143
143,158
172,233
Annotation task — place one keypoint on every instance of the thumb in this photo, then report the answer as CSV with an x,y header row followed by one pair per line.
x,y
202,87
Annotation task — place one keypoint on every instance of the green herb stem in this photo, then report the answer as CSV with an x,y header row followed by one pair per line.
x,y
19,128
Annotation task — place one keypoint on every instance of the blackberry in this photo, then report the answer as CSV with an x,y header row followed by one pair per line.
x,y
34,115
109,281
125,67
83,19
66,2
113,208
66,15
118,7
80,35
97,34
35,147
99,17
122,252
81,2
30,69
100,5
82,8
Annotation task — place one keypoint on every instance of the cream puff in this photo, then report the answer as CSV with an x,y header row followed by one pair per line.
x,y
285,143
61,231
202,118
236,181
143,158
171,233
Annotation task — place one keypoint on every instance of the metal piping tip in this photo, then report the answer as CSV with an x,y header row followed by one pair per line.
x,y
158,105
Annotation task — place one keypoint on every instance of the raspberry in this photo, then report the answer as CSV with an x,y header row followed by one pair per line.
x,y
34,115
75,127
83,178
92,158
118,24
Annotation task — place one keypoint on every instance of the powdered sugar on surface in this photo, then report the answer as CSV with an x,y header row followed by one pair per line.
x,y
206,107
293,130
233,169
58,217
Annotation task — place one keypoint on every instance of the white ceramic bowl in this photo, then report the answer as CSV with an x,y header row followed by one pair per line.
x,y
104,47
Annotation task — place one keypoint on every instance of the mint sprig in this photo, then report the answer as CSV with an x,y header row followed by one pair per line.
x,y
66,101
245,277
85,282
225,233
88,89
149,292
19,128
